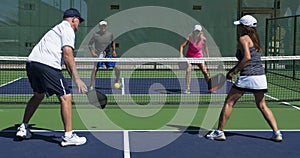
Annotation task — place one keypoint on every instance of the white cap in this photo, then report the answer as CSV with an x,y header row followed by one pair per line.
x,y
246,20
102,23
198,27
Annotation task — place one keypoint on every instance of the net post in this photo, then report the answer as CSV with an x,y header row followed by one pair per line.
x,y
294,46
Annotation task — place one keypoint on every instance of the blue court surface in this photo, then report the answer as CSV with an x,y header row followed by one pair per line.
x,y
151,144
130,86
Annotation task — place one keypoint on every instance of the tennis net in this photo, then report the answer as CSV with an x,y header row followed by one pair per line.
x,y
147,81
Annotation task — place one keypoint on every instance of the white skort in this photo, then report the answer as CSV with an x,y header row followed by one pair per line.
x,y
252,82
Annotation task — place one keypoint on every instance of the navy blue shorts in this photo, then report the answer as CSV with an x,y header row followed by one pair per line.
x,y
107,64
45,79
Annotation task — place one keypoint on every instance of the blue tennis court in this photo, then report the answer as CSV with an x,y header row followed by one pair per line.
x,y
130,86
246,144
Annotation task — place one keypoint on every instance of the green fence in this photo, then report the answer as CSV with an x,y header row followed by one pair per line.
x,y
283,36
283,39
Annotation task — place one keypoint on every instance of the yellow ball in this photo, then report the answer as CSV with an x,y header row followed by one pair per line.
x,y
117,85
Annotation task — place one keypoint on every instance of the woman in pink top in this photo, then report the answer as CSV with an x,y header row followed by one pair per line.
x,y
196,41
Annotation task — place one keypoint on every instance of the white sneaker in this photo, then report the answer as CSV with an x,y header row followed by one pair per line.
x,y
91,88
23,132
277,137
187,91
73,140
216,135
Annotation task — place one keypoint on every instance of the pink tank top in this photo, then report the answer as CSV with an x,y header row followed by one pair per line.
x,y
195,50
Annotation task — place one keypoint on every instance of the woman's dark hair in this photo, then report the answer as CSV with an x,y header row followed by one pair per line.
x,y
252,33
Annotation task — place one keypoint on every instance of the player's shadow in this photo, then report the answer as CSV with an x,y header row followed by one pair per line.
x,y
48,136
168,91
191,129
231,134
203,132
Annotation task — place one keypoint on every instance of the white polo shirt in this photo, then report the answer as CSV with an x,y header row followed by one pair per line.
x,y
49,49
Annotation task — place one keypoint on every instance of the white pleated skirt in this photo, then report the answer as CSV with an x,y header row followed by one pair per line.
x,y
258,82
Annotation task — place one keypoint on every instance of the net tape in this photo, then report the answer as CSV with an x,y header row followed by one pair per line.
x,y
163,60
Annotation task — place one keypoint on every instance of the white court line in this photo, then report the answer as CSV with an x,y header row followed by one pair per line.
x,y
123,86
10,82
229,130
285,103
126,144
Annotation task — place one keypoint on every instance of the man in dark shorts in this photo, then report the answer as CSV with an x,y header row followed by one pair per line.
x,y
44,71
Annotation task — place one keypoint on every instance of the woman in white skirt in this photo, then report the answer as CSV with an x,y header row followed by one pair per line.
x,y
252,78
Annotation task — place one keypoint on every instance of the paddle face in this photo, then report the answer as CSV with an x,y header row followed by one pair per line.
x,y
216,82
97,98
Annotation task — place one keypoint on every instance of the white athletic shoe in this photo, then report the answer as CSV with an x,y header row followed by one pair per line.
x,y
216,135
187,91
73,140
23,132
277,137
91,88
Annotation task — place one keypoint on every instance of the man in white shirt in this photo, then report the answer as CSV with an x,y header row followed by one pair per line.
x,y
44,71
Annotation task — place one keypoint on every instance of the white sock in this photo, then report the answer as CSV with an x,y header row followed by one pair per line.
x,y
24,125
220,132
277,132
68,134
